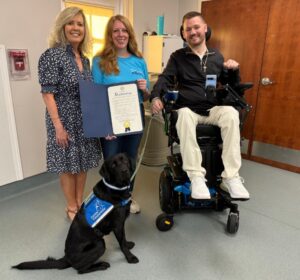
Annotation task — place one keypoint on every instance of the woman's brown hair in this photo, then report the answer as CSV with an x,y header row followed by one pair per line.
x,y
108,62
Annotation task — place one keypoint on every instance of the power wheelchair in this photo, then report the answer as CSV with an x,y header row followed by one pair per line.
x,y
174,184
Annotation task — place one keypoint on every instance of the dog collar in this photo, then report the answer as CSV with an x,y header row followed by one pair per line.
x,y
115,188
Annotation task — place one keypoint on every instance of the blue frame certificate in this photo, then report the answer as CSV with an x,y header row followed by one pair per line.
x,y
124,109
110,109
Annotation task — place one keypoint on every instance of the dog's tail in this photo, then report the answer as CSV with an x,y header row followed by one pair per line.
x,y
49,263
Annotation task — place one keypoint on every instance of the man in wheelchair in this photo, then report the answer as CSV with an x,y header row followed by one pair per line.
x,y
188,70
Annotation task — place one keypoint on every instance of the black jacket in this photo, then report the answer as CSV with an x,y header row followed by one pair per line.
x,y
184,72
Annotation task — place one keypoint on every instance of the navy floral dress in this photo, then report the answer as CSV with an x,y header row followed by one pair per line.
x,y
59,74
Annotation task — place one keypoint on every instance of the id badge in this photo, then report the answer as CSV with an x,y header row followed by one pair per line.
x,y
211,81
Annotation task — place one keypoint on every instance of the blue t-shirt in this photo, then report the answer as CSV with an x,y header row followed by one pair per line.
x,y
131,69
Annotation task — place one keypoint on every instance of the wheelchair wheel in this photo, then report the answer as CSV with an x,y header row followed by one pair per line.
x,y
233,222
164,222
166,191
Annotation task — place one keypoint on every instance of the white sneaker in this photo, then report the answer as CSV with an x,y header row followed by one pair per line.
x,y
199,189
234,186
134,207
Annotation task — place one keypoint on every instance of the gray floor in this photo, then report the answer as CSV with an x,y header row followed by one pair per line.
x,y
33,225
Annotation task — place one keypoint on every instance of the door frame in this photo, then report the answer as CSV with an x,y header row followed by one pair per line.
x,y
8,104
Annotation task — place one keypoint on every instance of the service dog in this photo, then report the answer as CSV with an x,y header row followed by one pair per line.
x,y
85,244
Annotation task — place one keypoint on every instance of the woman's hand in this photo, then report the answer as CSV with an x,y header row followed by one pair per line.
x,y
142,85
62,136
110,137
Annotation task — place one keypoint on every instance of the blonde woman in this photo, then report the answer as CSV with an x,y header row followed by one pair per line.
x,y
69,153
120,61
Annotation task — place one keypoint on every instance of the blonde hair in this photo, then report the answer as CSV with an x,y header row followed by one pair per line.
x,y
57,36
108,55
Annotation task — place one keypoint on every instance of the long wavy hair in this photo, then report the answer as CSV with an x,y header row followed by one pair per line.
x,y
58,37
108,62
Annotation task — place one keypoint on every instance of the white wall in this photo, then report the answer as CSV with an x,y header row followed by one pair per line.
x,y
187,6
26,25
145,13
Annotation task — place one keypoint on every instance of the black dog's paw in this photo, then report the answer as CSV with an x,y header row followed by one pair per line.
x,y
132,259
104,265
129,244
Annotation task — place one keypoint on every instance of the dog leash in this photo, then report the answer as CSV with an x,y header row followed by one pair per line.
x,y
143,149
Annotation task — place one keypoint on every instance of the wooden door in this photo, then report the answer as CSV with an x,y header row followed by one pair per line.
x,y
276,134
263,37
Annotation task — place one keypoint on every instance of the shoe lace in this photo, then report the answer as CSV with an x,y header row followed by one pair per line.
x,y
236,181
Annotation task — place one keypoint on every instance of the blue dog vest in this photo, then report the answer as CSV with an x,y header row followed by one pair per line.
x,y
96,209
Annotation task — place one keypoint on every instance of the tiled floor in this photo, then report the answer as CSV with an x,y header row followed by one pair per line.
x,y
266,247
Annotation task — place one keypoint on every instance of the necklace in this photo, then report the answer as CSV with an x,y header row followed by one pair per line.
x,y
203,62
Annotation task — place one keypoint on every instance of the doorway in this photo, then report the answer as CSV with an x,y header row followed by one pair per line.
x,y
10,161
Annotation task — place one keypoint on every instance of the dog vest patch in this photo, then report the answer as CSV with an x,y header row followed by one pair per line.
x,y
96,209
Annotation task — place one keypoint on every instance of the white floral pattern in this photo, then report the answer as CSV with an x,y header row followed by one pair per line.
x,y
59,74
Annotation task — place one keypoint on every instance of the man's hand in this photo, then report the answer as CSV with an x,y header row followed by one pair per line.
x,y
156,106
231,64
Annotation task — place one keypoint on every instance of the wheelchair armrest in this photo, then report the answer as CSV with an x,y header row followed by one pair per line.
x,y
170,96
230,96
240,88
169,99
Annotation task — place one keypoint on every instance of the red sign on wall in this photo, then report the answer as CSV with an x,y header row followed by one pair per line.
x,y
19,66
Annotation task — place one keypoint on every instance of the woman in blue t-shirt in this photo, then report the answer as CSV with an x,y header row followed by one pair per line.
x,y
120,61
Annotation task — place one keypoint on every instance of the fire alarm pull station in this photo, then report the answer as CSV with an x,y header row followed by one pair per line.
x,y
19,66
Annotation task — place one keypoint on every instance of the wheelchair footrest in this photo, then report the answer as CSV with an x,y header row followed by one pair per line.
x,y
226,196
175,163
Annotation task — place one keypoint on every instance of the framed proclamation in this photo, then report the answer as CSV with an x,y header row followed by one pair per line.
x,y
124,109
110,109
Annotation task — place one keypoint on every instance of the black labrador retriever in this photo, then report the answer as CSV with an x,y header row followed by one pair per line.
x,y
85,244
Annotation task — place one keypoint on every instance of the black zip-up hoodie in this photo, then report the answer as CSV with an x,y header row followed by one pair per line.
x,y
184,72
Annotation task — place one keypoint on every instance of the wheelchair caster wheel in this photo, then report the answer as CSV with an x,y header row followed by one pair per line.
x,y
233,222
164,222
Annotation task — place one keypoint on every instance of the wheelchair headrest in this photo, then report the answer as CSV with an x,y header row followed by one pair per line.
x,y
207,34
